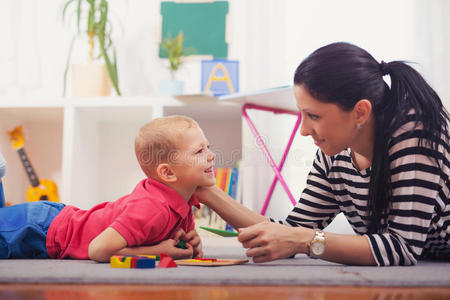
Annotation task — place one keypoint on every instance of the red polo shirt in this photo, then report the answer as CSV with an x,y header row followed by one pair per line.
x,y
152,213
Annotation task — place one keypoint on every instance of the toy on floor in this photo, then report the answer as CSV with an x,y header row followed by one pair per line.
x,y
165,261
210,262
132,262
142,261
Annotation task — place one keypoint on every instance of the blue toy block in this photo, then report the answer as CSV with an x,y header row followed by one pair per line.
x,y
145,263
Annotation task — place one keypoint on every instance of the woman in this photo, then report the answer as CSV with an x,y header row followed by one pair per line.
x,y
383,161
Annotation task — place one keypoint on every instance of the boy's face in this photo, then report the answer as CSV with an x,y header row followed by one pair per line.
x,y
193,164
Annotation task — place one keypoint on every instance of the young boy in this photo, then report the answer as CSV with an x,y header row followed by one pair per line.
x,y
174,154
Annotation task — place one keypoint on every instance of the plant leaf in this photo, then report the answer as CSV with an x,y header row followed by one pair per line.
x,y
69,55
65,9
79,15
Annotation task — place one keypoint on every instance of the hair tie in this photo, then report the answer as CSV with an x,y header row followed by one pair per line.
x,y
384,68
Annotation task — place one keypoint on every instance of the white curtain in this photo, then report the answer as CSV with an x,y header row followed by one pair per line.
x,y
20,52
433,44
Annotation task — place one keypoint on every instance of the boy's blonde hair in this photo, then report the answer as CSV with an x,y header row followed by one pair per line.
x,y
156,141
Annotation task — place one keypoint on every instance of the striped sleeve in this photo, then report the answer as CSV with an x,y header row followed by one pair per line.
x,y
317,206
415,179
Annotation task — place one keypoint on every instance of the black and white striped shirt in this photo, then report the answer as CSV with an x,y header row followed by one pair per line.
x,y
419,215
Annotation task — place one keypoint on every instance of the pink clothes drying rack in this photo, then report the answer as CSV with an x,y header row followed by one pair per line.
x,y
276,168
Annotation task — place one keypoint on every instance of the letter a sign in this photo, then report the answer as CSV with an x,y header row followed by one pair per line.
x,y
220,76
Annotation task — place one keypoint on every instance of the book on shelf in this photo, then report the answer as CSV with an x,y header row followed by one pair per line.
x,y
227,179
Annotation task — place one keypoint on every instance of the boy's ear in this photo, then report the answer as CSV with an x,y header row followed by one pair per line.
x,y
362,111
165,173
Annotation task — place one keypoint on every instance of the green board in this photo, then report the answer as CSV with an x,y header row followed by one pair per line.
x,y
203,26
224,233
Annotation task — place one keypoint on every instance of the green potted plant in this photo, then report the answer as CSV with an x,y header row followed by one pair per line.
x,y
173,48
94,77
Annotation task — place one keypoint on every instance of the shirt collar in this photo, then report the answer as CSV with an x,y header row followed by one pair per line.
x,y
175,201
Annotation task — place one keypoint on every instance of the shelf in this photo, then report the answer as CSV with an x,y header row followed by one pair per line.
x,y
279,97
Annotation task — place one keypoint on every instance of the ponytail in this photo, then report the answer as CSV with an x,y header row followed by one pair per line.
x,y
409,90
409,93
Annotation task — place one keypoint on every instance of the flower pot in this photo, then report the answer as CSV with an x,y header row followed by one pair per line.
x,y
171,87
90,79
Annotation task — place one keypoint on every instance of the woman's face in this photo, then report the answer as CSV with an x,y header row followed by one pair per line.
x,y
332,128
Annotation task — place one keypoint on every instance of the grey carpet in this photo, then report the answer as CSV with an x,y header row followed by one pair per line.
x,y
295,271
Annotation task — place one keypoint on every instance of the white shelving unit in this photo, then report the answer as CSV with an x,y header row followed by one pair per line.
x,y
86,145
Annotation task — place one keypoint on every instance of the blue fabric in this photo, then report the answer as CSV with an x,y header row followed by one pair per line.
x,y
23,229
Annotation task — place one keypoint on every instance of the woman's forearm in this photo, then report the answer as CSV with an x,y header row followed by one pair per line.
x,y
268,241
339,248
229,209
348,249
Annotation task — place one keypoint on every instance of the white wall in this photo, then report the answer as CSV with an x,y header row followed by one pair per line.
x,y
268,37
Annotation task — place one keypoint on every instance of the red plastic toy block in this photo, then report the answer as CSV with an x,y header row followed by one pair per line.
x,y
165,261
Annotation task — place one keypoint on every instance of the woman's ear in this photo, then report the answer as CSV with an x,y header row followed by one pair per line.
x,y
362,111
165,173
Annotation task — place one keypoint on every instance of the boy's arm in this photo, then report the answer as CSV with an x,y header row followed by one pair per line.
x,y
110,242
168,247
106,244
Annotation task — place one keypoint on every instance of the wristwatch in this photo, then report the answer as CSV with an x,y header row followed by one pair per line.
x,y
316,247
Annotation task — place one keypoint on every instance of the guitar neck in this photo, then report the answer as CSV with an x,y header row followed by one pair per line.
x,y
28,167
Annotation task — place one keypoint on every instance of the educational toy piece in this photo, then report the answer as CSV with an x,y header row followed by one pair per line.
x,y
210,262
181,244
165,261
155,257
224,233
220,76
132,262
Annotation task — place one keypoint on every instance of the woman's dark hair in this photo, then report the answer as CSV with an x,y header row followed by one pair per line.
x,y
343,74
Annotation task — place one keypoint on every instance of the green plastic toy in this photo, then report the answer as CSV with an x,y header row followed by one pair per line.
x,y
224,233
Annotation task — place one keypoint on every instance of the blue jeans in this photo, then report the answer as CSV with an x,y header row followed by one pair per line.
x,y
23,229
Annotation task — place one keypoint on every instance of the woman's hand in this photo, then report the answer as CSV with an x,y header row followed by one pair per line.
x,y
267,241
204,193
193,239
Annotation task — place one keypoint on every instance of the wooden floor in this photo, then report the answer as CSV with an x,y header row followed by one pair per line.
x,y
137,292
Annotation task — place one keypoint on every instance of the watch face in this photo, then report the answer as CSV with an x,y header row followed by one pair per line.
x,y
318,248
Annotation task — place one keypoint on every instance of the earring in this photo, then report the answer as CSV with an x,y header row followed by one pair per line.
x,y
358,126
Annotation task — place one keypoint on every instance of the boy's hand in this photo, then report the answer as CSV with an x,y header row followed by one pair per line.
x,y
169,247
192,238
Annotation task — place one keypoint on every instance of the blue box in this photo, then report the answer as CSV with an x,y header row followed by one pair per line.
x,y
220,76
